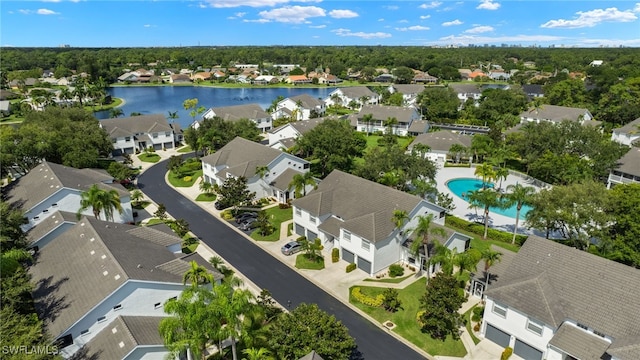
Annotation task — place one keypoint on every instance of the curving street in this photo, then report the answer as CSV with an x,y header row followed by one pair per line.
x,y
268,272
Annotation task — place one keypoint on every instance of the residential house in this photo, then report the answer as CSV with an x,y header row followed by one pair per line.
x,y
97,271
51,187
252,112
285,68
627,134
596,63
533,91
201,76
556,114
266,80
297,79
479,282
477,73
49,228
355,215
284,137
409,92
628,169
136,133
418,127
380,117
179,79
328,79
343,96
5,108
128,338
299,107
464,73
384,78
424,78
499,75
556,302
244,158
467,91
439,145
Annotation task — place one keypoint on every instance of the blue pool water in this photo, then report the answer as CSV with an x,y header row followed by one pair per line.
x,y
467,185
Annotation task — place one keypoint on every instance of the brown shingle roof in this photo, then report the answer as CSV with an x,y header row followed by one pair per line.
x,y
555,113
579,343
630,128
284,179
123,335
552,282
127,126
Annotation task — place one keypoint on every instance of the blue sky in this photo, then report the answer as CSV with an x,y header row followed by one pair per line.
x,y
91,23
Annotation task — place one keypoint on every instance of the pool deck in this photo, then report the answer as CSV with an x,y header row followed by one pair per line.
x,y
463,210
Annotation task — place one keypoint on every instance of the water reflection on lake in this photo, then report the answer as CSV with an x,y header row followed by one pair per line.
x,y
164,99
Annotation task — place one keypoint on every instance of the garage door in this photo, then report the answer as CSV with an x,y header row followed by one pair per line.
x,y
497,336
311,236
364,265
526,351
299,230
347,256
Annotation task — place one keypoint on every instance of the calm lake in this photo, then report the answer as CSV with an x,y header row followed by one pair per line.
x,y
162,99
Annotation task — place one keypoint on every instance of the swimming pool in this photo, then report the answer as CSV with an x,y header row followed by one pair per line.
x,y
467,185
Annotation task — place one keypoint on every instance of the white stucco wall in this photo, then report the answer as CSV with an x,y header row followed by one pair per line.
x,y
624,138
285,132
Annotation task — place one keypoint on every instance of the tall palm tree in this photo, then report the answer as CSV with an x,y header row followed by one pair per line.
x,y
115,112
368,120
485,199
257,354
232,304
456,151
100,201
445,257
519,195
262,171
196,275
486,173
501,174
399,218
490,257
390,123
300,181
420,149
424,229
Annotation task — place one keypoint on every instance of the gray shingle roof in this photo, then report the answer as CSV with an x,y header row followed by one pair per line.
x,y
313,355
381,112
630,162
442,140
242,157
49,224
579,343
555,113
630,128
307,101
82,266
128,126
626,348
356,92
237,112
47,178
497,270
552,282
465,88
130,332
408,89
365,206
284,179
419,126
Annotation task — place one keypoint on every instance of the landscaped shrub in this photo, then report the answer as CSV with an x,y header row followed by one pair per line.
x,y
226,215
477,313
506,354
351,267
284,206
367,300
476,327
187,179
335,255
390,301
396,270
478,229
300,239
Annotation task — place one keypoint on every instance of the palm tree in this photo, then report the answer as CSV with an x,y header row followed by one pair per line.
x,y
501,174
486,173
420,149
519,195
206,187
232,304
399,218
100,201
300,182
257,354
336,99
456,151
368,119
136,196
196,275
115,112
485,199
423,188
490,257
262,171
173,115
390,123
424,229
445,257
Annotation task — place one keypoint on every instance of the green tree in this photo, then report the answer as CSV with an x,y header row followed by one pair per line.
x,y
232,305
456,151
299,183
120,172
308,328
624,233
191,105
519,195
11,234
403,75
137,196
399,218
486,173
263,223
490,258
175,164
571,92
115,113
100,201
196,275
439,316
423,230
257,354
234,192
485,199
439,105
161,212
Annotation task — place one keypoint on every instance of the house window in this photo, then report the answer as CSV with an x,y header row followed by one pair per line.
x,y
54,204
117,307
499,310
534,327
114,140
84,332
167,134
64,341
312,219
346,235
127,139
298,212
305,166
102,318
365,245
157,305
155,135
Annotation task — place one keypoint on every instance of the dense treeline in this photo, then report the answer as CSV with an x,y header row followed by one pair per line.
x,y
109,62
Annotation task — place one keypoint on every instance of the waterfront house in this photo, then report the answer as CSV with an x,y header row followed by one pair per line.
x,y
252,112
380,116
133,134
283,137
299,107
345,95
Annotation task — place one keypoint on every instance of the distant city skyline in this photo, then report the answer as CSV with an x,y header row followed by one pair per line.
x,y
78,23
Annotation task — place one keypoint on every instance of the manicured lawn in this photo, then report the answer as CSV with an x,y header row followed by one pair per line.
x,y
276,216
190,249
206,197
185,149
405,320
372,141
186,180
302,262
151,157
141,205
154,222
387,280
469,324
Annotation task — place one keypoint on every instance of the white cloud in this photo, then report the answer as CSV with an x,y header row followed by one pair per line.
x,y
259,21
381,19
431,5
479,29
38,12
488,5
594,17
343,14
424,17
375,35
293,14
473,39
413,28
237,15
452,23
250,3
317,26
403,21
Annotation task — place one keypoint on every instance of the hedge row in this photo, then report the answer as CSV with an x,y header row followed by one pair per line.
x,y
478,229
367,300
351,267
335,255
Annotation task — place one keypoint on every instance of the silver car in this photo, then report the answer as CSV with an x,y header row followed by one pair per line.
x,y
291,248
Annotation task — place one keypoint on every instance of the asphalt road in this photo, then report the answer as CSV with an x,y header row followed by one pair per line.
x,y
268,272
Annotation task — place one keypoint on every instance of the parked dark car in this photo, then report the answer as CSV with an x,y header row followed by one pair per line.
x,y
219,205
291,248
248,224
246,216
